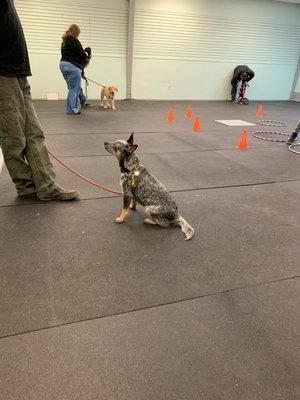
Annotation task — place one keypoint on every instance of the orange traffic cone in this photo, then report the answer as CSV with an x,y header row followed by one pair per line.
x,y
170,116
243,145
196,125
188,112
260,111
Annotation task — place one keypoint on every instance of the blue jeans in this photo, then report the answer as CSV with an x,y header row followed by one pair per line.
x,y
82,98
72,76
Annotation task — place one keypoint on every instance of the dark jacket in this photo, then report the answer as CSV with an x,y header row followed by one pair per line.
x,y
238,71
72,52
14,61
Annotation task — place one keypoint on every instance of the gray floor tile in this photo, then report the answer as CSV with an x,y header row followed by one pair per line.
x,y
151,116
236,345
67,262
276,163
89,267
68,145
178,171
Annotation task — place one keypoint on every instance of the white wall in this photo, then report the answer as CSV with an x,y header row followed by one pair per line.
x,y
188,49
183,49
104,28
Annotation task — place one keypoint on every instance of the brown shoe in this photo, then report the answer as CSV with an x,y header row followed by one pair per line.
x,y
61,194
28,196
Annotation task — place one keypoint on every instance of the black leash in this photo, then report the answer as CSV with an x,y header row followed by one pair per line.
x,y
97,83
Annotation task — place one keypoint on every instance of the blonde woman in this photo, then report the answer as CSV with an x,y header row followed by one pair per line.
x,y
73,60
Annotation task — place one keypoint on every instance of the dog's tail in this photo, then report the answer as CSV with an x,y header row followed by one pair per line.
x,y
186,228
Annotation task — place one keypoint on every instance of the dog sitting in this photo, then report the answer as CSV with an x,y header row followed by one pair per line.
x,y
139,186
108,94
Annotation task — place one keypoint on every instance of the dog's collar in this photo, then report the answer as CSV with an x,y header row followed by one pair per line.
x,y
125,171
135,170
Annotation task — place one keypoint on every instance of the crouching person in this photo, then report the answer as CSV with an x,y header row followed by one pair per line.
x,y
242,74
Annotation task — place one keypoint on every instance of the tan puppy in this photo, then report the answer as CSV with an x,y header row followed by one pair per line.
x,y
108,96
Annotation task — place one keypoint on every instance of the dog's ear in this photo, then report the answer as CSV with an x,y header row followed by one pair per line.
x,y
116,89
131,148
130,140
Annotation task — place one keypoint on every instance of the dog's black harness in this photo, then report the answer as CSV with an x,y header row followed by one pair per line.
x,y
133,174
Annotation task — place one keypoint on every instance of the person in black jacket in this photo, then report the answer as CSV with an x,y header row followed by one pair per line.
x,y
21,137
73,60
240,73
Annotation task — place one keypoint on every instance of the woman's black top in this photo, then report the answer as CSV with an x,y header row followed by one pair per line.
x,y
72,52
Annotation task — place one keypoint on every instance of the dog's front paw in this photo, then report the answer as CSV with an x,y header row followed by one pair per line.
x,y
119,220
114,108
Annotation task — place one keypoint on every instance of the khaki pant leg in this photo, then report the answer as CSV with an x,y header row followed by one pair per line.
x,y
12,134
36,152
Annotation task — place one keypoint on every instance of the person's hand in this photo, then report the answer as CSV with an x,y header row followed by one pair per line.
x,y
86,79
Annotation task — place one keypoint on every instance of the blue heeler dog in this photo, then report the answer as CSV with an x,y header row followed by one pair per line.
x,y
139,186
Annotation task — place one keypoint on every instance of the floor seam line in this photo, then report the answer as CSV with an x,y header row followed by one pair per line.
x,y
171,191
154,306
195,150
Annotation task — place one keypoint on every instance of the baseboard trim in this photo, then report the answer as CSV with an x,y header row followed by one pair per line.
x,y
296,96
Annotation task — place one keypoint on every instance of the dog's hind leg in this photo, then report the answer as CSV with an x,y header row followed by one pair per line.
x,y
159,216
150,221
